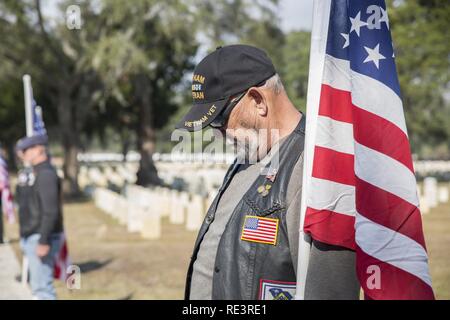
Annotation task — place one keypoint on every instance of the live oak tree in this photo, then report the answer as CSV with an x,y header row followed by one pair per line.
x,y
127,70
422,49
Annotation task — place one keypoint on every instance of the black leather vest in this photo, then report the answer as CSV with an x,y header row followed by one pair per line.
x,y
253,261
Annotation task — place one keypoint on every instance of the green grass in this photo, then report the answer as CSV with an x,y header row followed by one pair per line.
x,y
120,265
436,225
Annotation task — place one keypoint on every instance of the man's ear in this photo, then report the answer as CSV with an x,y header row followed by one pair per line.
x,y
259,101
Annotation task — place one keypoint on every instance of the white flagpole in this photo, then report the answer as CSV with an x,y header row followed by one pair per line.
x,y
28,104
321,15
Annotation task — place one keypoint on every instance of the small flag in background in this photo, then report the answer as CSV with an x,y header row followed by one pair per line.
x,y
62,260
362,191
5,192
37,118
38,121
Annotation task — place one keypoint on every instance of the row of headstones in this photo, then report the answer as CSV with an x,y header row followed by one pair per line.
x,y
101,177
142,209
426,167
432,194
202,181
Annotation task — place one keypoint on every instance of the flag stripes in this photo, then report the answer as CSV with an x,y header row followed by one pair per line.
x,y
362,189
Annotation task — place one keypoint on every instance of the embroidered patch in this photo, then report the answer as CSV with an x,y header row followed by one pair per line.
x,y
276,290
272,174
259,229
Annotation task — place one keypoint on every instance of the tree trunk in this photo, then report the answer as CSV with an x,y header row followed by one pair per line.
x,y
147,173
69,137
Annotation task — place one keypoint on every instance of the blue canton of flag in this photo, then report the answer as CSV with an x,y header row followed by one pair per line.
x,y
38,122
364,39
252,223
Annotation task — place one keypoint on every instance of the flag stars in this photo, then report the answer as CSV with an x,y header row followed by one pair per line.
x,y
374,55
357,23
347,40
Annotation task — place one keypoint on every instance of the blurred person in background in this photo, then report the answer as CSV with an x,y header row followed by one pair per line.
x,y
40,214
6,200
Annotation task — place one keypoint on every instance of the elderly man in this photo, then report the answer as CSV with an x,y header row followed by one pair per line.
x,y
247,246
41,223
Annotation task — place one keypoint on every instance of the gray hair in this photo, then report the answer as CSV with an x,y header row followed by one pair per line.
x,y
275,84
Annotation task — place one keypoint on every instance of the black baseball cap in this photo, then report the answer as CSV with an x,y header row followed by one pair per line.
x,y
227,71
28,142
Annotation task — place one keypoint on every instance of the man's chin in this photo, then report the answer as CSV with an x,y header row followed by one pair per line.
x,y
246,152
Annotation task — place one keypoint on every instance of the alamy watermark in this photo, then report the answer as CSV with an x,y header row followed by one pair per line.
x,y
73,17
73,280
374,279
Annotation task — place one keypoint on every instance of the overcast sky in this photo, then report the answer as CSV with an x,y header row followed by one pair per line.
x,y
296,14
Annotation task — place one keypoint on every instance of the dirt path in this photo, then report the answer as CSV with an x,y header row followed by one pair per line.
x,y
10,287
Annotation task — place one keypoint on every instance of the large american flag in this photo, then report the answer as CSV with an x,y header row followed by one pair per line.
x,y
362,188
5,191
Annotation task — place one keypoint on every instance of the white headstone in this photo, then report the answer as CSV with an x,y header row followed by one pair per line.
x,y
443,194
195,213
176,208
165,198
151,226
430,191
423,205
135,217
121,211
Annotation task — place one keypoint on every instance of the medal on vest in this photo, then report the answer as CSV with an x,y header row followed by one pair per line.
x,y
264,189
259,229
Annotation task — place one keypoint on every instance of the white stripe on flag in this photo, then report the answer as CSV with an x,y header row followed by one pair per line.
x,y
367,93
385,173
337,73
392,247
333,196
335,135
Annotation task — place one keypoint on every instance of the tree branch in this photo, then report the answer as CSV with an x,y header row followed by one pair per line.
x,y
58,53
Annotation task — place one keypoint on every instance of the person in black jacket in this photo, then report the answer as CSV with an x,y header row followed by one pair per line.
x,y
40,214
247,246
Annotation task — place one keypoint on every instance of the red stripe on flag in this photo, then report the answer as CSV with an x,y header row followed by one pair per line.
x,y
336,104
369,129
330,227
389,211
395,283
258,238
381,135
264,233
333,165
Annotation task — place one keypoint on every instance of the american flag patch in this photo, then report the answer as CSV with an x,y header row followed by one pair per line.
x,y
258,229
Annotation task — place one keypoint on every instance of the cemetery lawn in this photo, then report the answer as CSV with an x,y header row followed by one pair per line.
x,y
118,265
436,226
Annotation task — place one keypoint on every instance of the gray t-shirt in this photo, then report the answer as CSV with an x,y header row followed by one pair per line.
x,y
345,287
